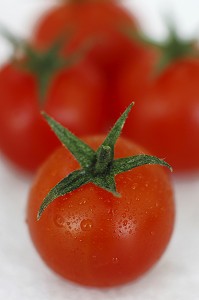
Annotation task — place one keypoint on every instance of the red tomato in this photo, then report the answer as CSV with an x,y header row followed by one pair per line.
x,y
75,98
90,236
166,119
134,78
98,21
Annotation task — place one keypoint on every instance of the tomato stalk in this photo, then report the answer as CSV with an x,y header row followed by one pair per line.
x,y
171,49
98,167
103,160
44,64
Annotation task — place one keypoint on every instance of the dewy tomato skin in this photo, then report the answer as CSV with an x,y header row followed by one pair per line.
x,y
90,236
75,97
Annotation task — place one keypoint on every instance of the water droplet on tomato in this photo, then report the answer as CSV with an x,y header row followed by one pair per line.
x,y
125,222
115,260
59,221
86,225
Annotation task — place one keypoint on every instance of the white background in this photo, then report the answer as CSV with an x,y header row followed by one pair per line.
x,y
23,276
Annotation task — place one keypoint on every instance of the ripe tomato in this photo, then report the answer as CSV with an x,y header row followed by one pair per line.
x,y
134,78
166,119
90,236
75,98
98,21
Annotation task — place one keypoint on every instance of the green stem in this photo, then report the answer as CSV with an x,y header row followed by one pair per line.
x,y
104,158
44,65
171,49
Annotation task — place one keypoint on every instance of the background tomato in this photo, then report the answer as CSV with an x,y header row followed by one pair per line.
x,y
75,97
94,238
100,22
176,269
165,120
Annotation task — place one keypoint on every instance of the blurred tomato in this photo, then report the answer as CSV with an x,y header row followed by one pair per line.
x,y
166,119
75,98
100,22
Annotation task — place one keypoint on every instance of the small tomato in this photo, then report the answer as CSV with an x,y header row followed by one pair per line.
x,y
164,83
74,95
97,21
102,230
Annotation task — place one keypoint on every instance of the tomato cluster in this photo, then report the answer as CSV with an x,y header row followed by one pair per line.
x,y
96,85
76,92
83,68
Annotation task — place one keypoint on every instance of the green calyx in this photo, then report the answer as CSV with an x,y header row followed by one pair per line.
x,y
172,49
98,167
44,64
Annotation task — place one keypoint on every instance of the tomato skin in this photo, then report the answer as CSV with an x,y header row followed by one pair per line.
x,y
75,98
134,79
165,120
100,22
93,238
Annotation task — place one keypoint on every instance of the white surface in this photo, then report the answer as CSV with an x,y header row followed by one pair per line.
x,y
23,276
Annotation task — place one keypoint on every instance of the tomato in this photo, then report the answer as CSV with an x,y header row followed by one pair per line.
x,y
134,78
100,22
91,237
166,118
75,97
